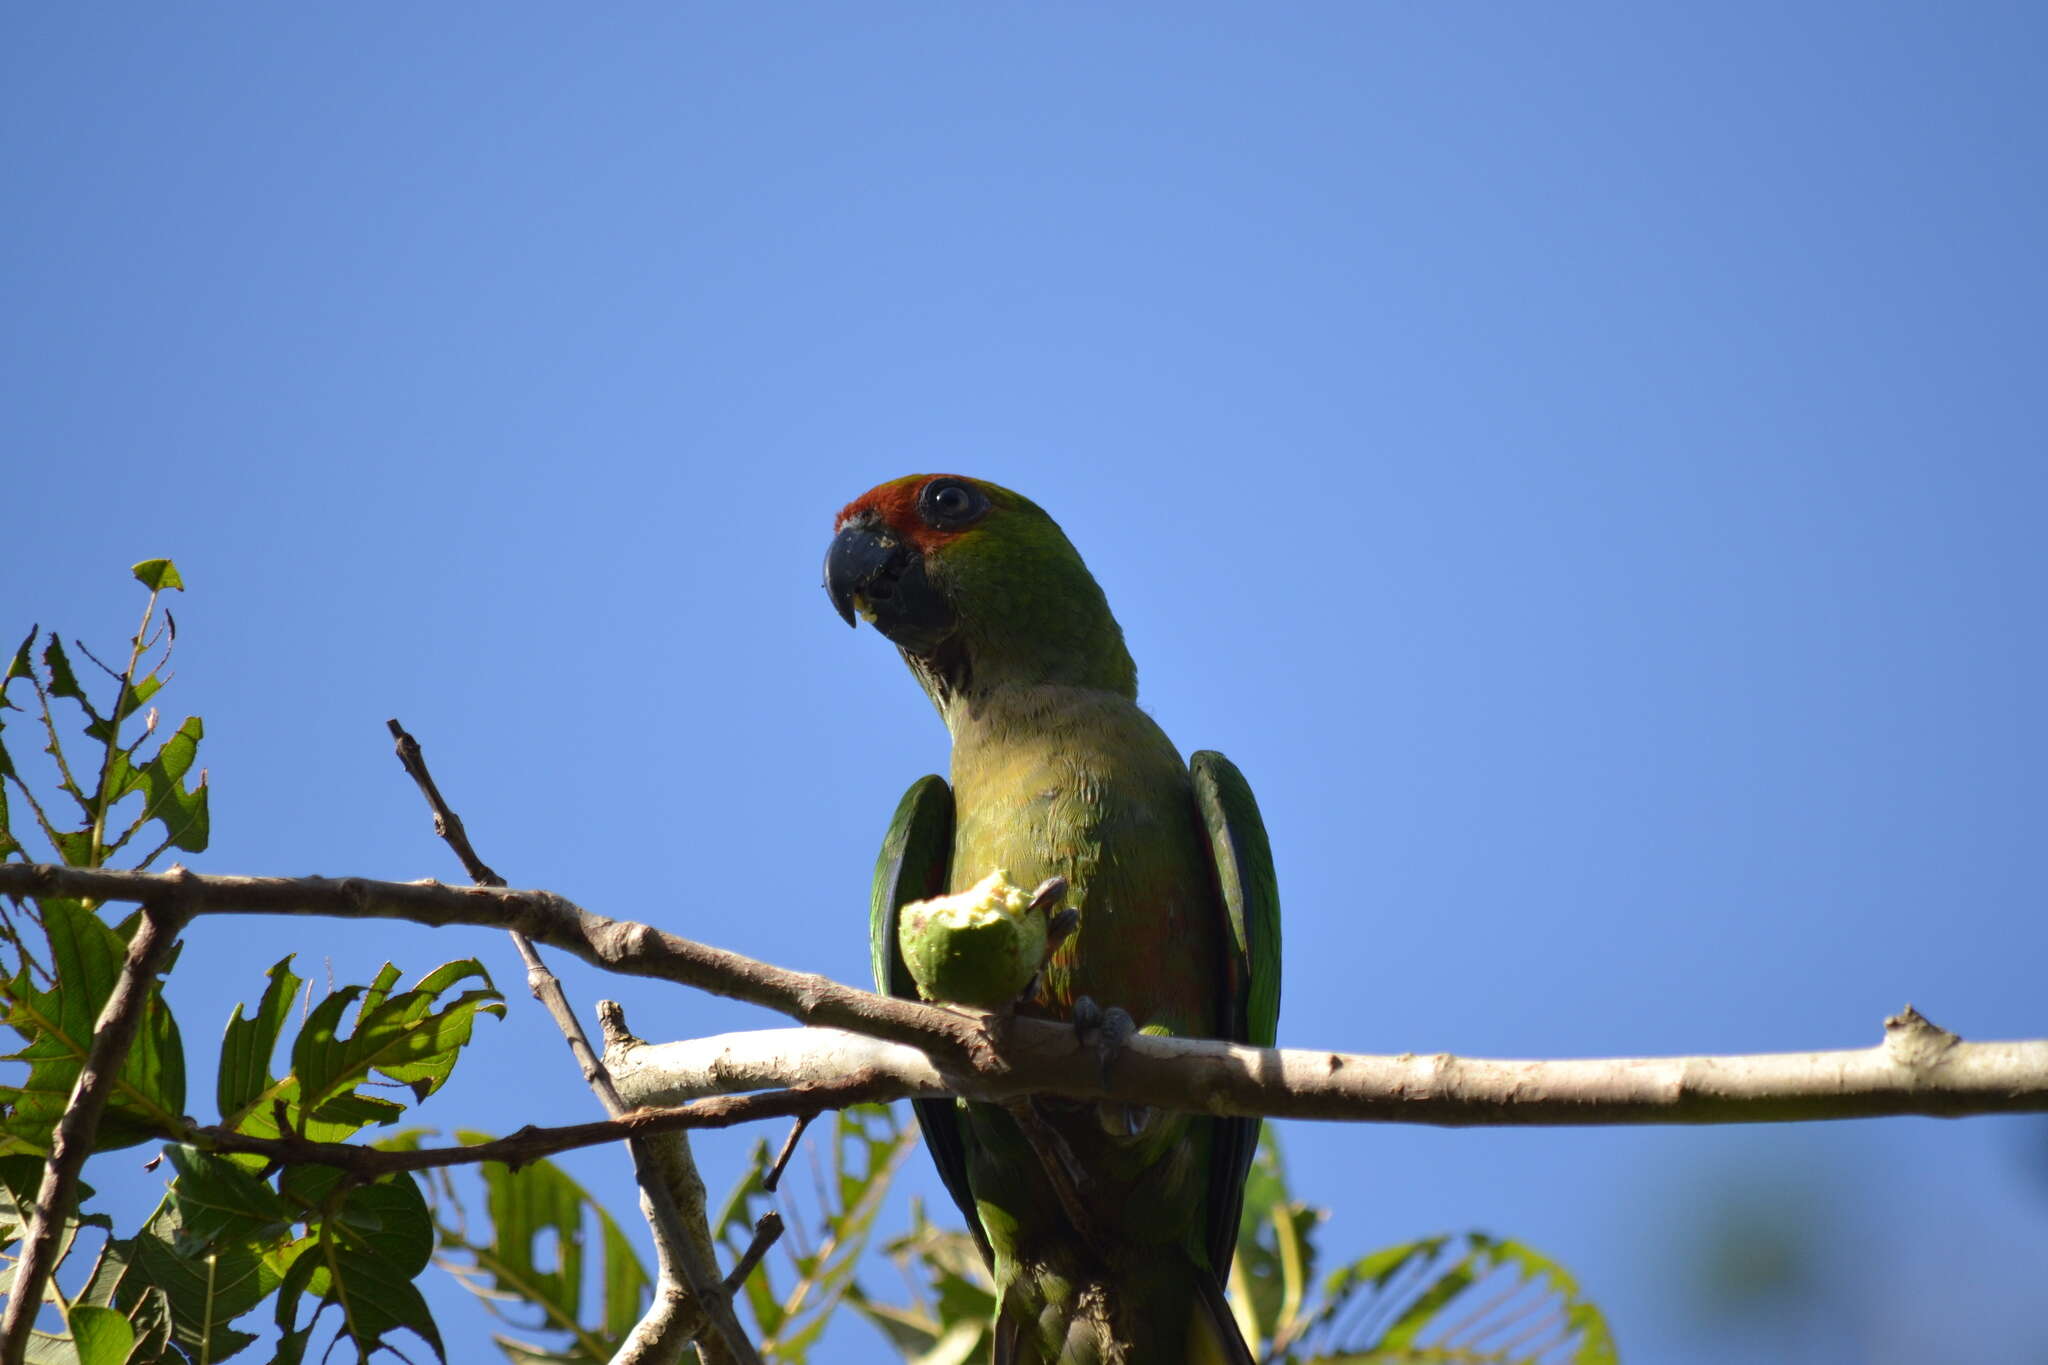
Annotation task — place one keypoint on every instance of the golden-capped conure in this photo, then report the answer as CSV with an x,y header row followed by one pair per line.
x,y
1056,772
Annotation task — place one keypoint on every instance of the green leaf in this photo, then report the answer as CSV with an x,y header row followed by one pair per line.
x,y
217,1200
536,1210
130,700
364,1261
868,1148
75,847
246,1048
181,810
1466,1299
20,666
86,956
955,1314
206,1283
63,682
402,1036
158,574
148,1313
102,1336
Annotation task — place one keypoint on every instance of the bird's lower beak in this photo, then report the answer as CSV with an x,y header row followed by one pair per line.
x,y
869,570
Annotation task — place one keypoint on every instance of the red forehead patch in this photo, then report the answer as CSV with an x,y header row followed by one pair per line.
x,y
894,504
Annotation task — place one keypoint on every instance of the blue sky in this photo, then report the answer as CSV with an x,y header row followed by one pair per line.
x,y
1585,463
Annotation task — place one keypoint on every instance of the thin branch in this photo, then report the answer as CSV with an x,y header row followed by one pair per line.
x,y
156,934
620,946
667,1178
781,1162
103,798
447,824
767,1231
1918,1069
531,1143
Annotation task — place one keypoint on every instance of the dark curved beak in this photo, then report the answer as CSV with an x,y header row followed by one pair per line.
x,y
870,570
855,559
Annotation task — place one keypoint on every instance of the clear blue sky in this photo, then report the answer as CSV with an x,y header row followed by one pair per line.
x,y
1584,462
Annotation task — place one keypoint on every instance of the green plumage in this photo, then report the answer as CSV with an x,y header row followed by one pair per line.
x,y
1057,772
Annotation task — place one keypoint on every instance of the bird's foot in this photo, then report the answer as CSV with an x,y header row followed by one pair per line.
x,y
1105,1030
1108,1031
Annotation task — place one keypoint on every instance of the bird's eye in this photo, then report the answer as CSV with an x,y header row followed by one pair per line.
x,y
949,503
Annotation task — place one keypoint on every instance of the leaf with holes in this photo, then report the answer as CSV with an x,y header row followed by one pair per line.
x,y
868,1146
410,1037
181,810
403,1036
535,1257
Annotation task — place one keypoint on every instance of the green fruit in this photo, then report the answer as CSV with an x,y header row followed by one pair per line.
x,y
977,948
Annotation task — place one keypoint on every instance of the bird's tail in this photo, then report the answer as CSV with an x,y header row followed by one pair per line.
x,y
1093,1338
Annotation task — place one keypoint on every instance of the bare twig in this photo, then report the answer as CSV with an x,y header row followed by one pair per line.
x,y
531,1143
796,1132
447,824
156,934
682,1245
1919,1069
766,1232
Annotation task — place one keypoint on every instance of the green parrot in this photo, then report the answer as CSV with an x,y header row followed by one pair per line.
x,y
1108,1229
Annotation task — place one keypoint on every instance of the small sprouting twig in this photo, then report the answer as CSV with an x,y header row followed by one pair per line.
x,y
680,1247
156,934
796,1131
766,1232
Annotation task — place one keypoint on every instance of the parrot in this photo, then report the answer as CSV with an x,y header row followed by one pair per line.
x,y
1108,1229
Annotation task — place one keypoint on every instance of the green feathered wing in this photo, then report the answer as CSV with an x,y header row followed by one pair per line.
x,y
912,866
1250,894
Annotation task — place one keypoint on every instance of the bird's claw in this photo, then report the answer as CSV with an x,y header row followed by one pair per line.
x,y
1048,897
1061,922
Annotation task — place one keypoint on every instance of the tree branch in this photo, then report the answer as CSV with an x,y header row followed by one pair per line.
x,y
156,934
671,1192
1918,1069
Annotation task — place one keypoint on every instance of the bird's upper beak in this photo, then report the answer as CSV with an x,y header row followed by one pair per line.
x,y
872,570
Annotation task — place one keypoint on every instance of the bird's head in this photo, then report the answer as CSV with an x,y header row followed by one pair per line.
x,y
976,585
